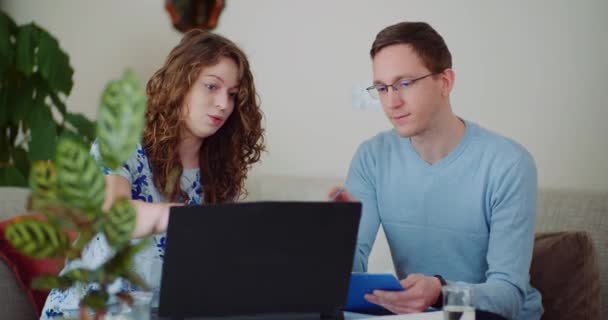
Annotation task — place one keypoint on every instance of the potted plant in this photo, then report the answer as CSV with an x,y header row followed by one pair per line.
x,y
70,190
35,78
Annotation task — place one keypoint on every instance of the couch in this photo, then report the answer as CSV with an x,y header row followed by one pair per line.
x,y
558,211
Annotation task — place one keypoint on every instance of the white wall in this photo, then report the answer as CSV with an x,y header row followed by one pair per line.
x,y
532,70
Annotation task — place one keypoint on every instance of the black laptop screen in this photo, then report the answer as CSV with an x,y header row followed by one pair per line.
x,y
258,258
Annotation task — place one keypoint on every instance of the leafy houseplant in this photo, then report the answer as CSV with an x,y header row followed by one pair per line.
x,y
70,191
35,77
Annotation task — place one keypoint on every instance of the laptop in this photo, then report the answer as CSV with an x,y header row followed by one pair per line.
x,y
259,260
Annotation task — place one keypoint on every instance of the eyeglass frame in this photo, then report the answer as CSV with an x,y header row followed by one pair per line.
x,y
408,82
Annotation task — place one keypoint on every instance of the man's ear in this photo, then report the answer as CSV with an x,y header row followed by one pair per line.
x,y
448,76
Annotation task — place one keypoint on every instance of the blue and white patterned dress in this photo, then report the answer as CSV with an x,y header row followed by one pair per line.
x,y
148,262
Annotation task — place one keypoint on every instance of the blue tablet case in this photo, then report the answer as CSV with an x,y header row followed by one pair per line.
x,y
362,283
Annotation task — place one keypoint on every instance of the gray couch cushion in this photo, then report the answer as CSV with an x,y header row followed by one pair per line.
x,y
14,303
12,201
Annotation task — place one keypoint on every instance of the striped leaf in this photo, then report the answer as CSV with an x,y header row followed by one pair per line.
x,y
120,120
43,183
49,282
81,183
95,299
122,261
36,238
135,279
119,223
83,275
85,235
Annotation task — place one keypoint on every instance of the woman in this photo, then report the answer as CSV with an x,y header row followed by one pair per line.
x,y
203,128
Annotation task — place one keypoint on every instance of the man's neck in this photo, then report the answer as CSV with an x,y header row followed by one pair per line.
x,y
438,141
189,151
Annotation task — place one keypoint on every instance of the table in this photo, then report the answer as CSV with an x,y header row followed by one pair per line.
x,y
434,315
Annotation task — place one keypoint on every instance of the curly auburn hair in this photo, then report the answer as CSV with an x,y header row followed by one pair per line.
x,y
224,157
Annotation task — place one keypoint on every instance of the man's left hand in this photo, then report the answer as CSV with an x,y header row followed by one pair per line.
x,y
420,292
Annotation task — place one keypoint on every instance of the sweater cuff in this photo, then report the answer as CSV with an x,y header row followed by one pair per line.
x,y
439,303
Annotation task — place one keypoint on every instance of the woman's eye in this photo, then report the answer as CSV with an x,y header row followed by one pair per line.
x,y
211,87
232,95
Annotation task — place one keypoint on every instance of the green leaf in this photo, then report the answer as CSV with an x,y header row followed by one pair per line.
x,y
119,223
82,124
120,120
44,88
54,63
43,183
135,279
83,275
10,176
58,103
48,282
13,131
96,299
122,261
7,50
21,161
43,133
5,147
70,133
81,183
36,238
4,114
120,265
84,237
21,100
27,38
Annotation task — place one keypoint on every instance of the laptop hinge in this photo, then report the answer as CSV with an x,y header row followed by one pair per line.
x,y
337,315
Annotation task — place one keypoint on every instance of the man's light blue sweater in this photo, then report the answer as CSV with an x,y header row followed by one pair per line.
x,y
469,217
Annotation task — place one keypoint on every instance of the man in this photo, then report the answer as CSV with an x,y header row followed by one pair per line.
x,y
457,202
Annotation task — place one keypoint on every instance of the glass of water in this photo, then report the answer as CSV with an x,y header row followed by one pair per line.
x,y
138,310
458,302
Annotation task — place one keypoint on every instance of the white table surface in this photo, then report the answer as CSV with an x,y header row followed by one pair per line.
x,y
435,315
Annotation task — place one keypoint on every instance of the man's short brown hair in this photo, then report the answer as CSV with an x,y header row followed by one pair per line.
x,y
423,39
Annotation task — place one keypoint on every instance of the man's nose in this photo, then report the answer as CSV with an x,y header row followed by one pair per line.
x,y
393,97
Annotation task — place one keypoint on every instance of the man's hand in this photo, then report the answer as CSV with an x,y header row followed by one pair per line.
x,y
420,292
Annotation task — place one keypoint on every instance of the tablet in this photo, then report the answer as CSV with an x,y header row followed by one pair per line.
x,y
362,283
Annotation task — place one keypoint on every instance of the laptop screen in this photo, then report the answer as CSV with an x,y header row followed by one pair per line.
x,y
258,258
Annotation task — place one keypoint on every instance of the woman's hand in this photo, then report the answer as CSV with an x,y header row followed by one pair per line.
x,y
339,194
150,218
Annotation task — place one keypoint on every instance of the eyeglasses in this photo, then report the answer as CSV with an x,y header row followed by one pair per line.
x,y
381,90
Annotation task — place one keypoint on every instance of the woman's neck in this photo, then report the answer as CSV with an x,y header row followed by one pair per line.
x,y
189,150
